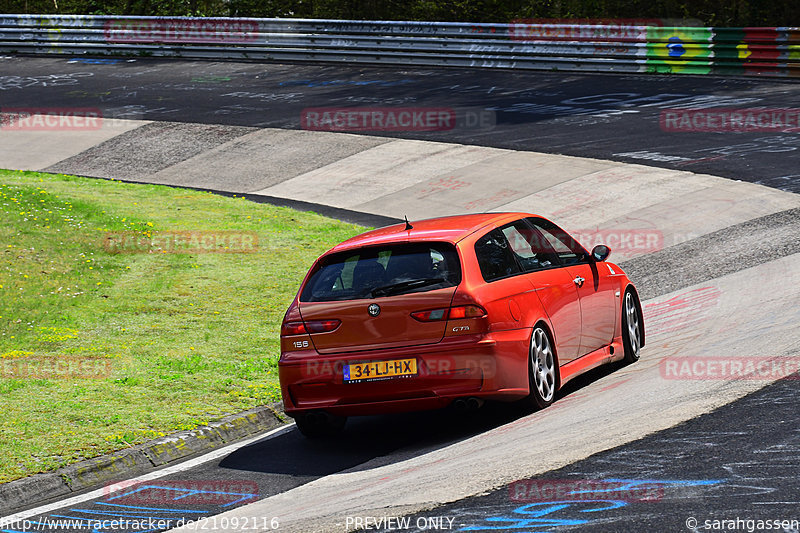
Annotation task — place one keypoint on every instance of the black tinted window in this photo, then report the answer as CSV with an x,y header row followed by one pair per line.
x,y
531,250
568,250
384,271
495,256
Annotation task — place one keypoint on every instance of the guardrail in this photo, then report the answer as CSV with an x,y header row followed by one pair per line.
x,y
517,45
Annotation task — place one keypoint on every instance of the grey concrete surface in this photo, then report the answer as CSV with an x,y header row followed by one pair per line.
x,y
142,152
728,250
37,150
485,185
263,158
378,172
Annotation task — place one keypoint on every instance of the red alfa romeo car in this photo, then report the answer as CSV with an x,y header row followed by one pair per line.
x,y
452,310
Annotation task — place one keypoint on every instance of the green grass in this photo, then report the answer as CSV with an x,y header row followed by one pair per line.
x,y
188,338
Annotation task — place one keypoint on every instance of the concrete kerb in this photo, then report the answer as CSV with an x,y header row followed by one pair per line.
x,y
136,460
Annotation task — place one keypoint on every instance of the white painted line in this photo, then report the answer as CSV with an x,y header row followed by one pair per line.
x,y
99,493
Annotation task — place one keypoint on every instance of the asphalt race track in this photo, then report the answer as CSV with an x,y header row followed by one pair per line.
x,y
602,116
625,448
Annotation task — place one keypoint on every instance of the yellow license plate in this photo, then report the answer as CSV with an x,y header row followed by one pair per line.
x,y
380,370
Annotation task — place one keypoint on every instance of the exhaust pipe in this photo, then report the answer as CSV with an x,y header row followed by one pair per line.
x,y
474,403
467,405
461,405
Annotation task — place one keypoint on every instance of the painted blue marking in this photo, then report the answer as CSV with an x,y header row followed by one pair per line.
x,y
191,492
95,61
535,513
246,495
628,484
151,508
558,505
675,47
685,482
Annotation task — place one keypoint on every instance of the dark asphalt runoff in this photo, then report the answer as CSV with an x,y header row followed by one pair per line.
x,y
627,118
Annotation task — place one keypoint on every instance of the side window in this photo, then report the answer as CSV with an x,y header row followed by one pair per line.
x,y
531,249
567,249
495,256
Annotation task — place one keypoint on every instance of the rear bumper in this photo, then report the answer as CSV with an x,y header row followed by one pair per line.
x,y
491,366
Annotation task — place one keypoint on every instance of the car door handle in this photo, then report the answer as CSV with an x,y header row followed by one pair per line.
x,y
579,281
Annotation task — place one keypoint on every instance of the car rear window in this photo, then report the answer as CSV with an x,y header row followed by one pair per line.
x,y
379,271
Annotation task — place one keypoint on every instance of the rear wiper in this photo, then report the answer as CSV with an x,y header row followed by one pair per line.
x,y
395,288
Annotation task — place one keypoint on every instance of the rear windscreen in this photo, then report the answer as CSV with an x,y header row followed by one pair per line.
x,y
380,271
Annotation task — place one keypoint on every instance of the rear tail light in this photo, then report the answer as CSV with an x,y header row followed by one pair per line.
x,y
293,328
451,313
466,311
322,326
310,326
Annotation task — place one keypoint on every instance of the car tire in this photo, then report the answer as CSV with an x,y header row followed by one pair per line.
x,y
542,369
632,327
319,424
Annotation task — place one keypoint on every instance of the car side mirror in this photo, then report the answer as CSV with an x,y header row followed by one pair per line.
x,y
601,252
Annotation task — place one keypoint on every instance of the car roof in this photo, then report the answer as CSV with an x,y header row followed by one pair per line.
x,y
442,229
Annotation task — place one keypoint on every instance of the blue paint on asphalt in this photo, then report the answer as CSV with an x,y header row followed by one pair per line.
x,y
191,492
150,508
535,516
628,484
95,61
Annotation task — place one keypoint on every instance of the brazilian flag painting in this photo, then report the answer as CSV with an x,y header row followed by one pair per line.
x,y
679,50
